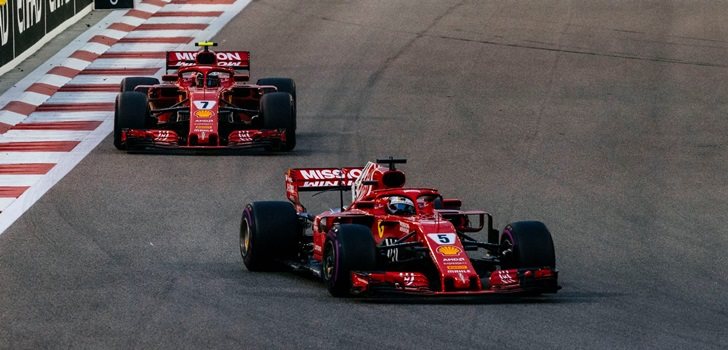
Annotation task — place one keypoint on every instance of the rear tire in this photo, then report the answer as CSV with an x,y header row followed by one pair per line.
x,y
348,247
129,84
277,111
131,112
527,244
269,232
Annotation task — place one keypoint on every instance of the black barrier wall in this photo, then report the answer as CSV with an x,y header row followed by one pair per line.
x,y
25,22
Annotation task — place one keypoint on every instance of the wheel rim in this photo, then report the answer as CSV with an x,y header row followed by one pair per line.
x,y
329,262
244,239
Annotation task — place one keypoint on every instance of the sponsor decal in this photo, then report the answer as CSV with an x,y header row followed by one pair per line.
x,y
2,2
404,227
326,174
449,250
453,259
5,25
56,4
407,277
442,238
457,267
326,183
203,113
30,13
203,128
380,229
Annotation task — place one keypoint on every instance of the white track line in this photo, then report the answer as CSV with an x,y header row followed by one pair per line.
x,y
103,63
42,135
44,117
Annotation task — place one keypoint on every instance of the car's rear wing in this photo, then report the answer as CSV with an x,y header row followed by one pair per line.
x,y
319,179
238,60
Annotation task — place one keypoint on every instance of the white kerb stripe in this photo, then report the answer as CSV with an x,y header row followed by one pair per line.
x,y
127,63
83,79
42,135
19,180
195,7
75,63
96,48
31,157
197,20
147,7
12,118
113,33
142,47
54,79
81,97
162,33
33,98
131,20
44,117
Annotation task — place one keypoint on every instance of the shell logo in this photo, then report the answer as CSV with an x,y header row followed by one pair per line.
x,y
448,250
203,113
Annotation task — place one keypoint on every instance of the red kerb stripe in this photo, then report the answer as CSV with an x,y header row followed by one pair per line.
x,y
120,71
90,87
102,39
85,55
39,146
168,40
85,125
12,191
44,89
20,107
63,71
188,14
89,106
26,169
122,27
160,54
139,14
172,26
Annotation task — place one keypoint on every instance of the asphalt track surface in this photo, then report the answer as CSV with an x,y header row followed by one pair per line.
x,y
606,120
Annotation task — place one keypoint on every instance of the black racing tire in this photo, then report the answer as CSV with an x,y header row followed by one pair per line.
x,y
131,112
284,85
527,244
269,233
348,247
276,109
130,83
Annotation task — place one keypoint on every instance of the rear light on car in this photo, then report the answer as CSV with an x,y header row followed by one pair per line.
x,y
544,273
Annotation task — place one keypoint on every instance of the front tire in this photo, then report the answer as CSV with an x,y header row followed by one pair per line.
x,y
131,112
269,232
348,247
277,111
527,244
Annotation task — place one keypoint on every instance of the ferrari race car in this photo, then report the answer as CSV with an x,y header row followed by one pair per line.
x,y
393,239
205,103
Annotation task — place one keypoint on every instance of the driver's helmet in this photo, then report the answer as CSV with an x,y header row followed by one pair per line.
x,y
399,205
200,80
213,80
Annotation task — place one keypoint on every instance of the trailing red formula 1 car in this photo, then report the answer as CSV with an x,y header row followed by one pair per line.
x,y
207,104
394,239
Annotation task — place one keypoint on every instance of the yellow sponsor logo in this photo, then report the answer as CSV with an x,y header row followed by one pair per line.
x,y
448,250
203,113
380,229
457,267
2,2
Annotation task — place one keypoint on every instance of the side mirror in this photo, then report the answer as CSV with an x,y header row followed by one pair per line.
x,y
452,204
169,77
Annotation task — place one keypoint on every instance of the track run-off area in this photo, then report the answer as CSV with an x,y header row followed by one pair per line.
x,y
605,120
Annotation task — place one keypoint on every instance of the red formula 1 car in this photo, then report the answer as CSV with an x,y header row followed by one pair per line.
x,y
394,239
207,104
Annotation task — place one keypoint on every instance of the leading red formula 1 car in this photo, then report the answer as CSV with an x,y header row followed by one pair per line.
x,y
394,239
207,104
